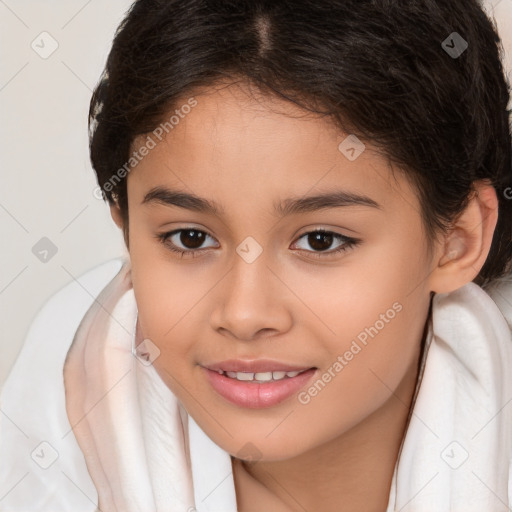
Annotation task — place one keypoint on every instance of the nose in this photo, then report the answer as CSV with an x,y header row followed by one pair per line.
x,y
252,301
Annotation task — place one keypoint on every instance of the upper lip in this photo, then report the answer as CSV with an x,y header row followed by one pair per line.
x,y
254,366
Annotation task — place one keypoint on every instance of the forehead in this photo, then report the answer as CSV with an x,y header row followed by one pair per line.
x,y
236,144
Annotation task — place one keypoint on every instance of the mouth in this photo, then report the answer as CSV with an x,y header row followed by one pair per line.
x,y
261,377
257,384
257,370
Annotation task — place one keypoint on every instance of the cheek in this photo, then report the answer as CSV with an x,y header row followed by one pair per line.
x,y
368,323
368,343
363,292
165,293
167,302
375,348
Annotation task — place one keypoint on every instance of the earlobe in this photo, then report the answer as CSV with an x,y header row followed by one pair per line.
x,y
465,248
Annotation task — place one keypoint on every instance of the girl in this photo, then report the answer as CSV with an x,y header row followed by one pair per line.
x,y
316,310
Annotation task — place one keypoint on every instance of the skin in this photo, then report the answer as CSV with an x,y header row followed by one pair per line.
x,y
245,152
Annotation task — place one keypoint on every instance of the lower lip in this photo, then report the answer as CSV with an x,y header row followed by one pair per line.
x,y
254,395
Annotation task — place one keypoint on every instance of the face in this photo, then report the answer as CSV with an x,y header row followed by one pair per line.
x,y
335,286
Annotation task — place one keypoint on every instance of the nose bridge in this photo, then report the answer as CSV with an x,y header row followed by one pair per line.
x,y
249,300
249,274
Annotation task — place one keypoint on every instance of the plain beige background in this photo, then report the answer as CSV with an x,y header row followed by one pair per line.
x,y
47,182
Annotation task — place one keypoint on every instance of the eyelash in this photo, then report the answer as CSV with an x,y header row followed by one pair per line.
x,y
348,242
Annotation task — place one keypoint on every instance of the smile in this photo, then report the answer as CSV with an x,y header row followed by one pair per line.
x,y
256,390
261,376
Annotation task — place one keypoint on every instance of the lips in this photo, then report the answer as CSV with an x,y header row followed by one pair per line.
x,y
254,394
255,366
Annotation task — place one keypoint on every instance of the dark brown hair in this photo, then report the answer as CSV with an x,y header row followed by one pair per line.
x,y
422,80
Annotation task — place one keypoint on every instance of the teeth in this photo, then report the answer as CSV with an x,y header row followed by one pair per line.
x,y
242,376
264,376
261,376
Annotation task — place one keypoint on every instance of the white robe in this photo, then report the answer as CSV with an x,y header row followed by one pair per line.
x,y
150,455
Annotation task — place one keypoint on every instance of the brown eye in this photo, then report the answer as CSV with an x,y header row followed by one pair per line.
x,y
185,242
192,238
320,240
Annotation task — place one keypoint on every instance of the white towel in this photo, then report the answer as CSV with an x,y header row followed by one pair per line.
x,y
141,451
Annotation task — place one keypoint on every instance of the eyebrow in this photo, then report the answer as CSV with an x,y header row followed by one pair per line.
x,y
290,206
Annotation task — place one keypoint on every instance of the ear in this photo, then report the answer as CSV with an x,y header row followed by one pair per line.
x,y
115,211
463,251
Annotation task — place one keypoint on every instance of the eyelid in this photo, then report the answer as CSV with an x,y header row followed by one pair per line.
x,y
169,234
348,242
334,234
